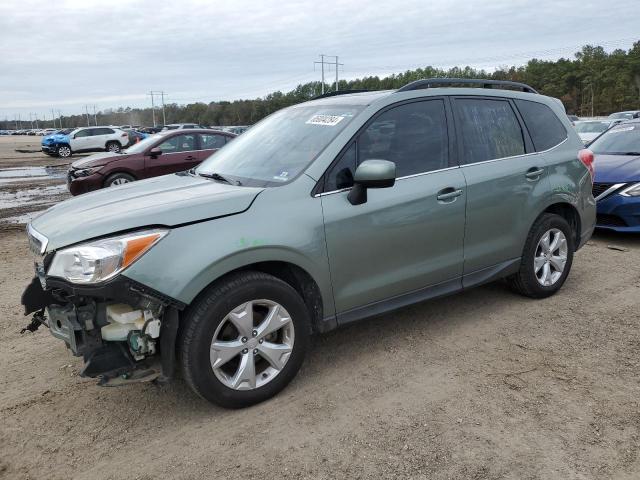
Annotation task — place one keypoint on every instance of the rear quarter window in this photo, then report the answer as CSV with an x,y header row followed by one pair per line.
x,y
545,129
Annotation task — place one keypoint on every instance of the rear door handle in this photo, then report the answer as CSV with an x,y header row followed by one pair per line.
x,y
190,158
448,194
534,173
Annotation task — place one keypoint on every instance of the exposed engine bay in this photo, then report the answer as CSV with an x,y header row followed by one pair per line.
x,y
123,333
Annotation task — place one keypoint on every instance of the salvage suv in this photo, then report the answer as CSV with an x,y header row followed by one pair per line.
x,y
87,139
324,213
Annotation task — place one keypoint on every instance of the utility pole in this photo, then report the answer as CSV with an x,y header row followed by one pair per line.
x,y
95,117
164,120
60,115
162,94
86,109
153,109
53,117
336,65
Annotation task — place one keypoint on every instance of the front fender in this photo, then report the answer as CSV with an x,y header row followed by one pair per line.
x,y
275,228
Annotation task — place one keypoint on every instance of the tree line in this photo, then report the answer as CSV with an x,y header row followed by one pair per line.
x,y
593,82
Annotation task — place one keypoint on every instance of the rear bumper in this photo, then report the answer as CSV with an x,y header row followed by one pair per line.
x,y
619,213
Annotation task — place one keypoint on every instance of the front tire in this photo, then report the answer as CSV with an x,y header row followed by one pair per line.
x,y
244,339
63,151
118,179
546,259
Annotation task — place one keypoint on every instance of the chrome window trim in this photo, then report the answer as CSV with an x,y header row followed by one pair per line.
x,y
515,156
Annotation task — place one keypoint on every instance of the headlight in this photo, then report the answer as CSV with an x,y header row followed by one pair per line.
x,y
85,172
632,191
97,261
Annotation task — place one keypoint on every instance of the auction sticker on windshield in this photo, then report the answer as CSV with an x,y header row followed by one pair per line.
x,y
327,120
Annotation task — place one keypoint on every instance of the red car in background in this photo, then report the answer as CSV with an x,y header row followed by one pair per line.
x,y
165,152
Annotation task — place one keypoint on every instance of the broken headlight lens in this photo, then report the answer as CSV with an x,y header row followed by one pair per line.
x,y
100,260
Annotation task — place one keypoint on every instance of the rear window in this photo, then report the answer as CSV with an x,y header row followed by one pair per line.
x,y
490,129
544,127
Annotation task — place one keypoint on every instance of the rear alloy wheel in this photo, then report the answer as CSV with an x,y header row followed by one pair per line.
x,y
63,151
118,179
546,258
244,339
551,257
113,147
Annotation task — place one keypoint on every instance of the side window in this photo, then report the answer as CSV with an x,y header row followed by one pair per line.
x,y
413,135
210,141
341,174
544,127
178,143
489,129
82,133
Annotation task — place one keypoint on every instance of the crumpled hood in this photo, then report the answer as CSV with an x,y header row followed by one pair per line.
x,y
169,200
617,168
55,138
98,159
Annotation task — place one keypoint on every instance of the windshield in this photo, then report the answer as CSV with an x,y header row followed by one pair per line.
x,y
620,140
624,115
591,127
142,145
281,146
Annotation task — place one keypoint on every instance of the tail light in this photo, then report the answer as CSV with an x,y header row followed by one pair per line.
x,y
124,135
586,157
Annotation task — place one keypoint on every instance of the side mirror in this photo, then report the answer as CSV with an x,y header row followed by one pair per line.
x,y
371,174
155,152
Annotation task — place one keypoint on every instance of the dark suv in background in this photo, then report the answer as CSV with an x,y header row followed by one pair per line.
x,y
165,152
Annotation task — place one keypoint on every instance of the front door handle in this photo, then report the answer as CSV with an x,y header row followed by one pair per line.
x,y
534,173
190,158
448,194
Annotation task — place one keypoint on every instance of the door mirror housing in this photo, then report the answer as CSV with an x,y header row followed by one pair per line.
x,y
155,152
371,174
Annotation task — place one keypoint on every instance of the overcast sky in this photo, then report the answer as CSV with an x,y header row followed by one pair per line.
x,y
66,54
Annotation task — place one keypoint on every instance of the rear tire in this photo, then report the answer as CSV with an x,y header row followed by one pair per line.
x,y
118,179
546,259
218,374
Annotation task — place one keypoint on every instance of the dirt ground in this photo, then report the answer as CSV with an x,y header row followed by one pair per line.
x,y
482,385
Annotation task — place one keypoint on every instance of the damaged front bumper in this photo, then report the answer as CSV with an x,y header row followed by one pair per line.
x,y
124,331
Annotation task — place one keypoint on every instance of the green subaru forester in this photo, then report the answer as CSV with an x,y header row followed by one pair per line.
x,y
324,213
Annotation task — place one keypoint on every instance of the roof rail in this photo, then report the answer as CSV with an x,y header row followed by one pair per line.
x,y
339,92
431,82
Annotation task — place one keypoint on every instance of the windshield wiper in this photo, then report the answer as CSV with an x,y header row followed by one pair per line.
x,y
220,178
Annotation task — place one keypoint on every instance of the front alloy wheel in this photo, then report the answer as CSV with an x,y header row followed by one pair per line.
x,y
252,345
244,339
64,151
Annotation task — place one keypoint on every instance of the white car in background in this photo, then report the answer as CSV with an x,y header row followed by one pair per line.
x,y
588,130
86,139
